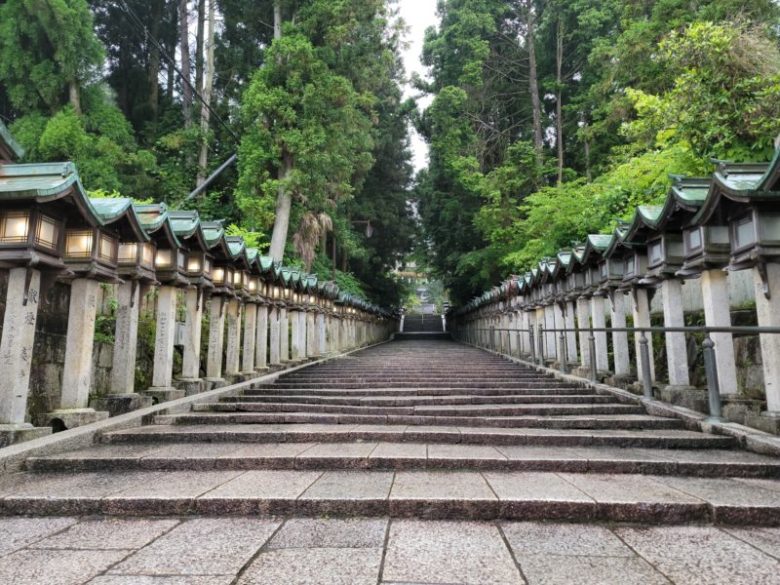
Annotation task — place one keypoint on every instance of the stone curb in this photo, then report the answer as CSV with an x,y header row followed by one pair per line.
x,y
747,438
12,457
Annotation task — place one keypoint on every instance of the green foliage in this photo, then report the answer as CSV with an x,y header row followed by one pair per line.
x,y
252,239
46,47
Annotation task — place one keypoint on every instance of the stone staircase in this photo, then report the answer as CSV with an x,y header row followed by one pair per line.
x,y
412,428
421,323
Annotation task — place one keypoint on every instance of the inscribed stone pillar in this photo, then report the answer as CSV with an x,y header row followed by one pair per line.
x,y
165,337
250,338
551,342
676,348
599,322
190,368
583,324
128,296
79,343
233,353
274,337
216,338
768,312
620,338
322,336
717,313
261,342
558,323
311,334
284,335
297,336
571,335
641,310
16,346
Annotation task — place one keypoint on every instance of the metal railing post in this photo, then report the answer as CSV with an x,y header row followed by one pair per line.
x,y
533,345
562,351
713,386
493,337
594,375
647,378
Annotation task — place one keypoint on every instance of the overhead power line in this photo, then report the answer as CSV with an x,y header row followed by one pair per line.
x,y
135,20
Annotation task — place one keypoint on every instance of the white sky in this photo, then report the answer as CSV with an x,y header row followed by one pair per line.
x,y
418,15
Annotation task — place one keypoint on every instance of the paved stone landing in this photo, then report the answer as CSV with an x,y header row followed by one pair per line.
x,y
371,551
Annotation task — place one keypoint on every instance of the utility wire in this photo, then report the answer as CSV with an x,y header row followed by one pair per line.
x,y
172,62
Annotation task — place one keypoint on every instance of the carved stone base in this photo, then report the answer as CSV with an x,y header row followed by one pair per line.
x,y
62,420
214,383
769,422
687,397
160,394
12,434
117,404
191,387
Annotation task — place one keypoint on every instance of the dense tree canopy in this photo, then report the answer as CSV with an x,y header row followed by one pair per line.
x,y
551,118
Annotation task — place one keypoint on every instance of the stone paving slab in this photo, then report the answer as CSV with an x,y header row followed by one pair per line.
x,y
20,532
702,555
448,552
56,567
311,551
315,566
203,546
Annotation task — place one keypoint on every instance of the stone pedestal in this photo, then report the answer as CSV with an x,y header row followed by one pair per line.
x,y
261,339
717,313
583,324
126,339
70,418
641,310
217,308
599,321
250,339
550,343
620,338
162,378
16,348
275,353
79,343
768,312
768,422
190,371
13,434
676,347
687,397
116,404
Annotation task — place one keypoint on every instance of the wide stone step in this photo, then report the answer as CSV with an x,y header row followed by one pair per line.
x,y
604,421
574,390
423,400
408,456
538,409
418,384
421,494
321,433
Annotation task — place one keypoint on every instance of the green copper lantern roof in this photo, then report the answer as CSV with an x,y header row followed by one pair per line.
x,y
111,210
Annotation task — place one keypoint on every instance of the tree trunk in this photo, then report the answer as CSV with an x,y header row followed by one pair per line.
x,y
154,59
283,208
533,80
184,47
559,98
334,247
199,45
74,97
277,19
205,111
170,47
